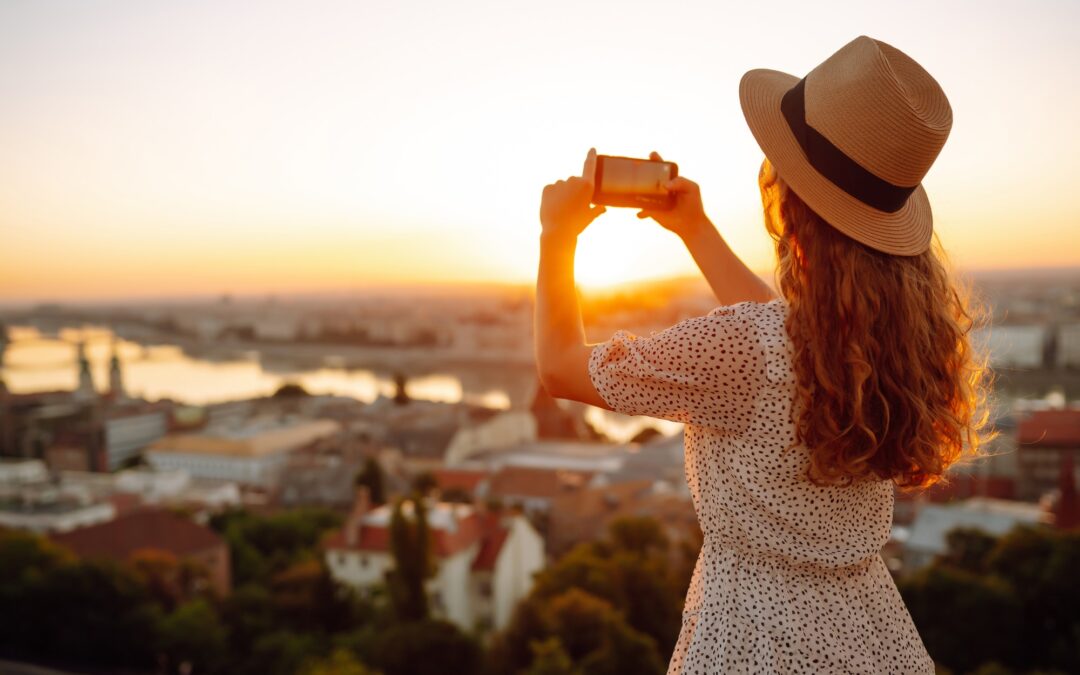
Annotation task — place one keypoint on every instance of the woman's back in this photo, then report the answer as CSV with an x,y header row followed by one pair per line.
x,y
790,572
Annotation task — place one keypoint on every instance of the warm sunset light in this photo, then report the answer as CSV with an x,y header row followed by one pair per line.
x,y
163,149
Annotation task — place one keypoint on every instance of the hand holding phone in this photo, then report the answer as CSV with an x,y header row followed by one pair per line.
x,y
565,207
633,182
687,216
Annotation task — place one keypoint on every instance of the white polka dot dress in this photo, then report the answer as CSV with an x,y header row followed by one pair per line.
x,y
790,578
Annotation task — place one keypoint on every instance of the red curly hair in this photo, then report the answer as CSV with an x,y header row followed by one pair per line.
x,y
890,384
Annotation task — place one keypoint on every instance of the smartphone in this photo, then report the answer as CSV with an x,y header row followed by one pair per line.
x,y
633,182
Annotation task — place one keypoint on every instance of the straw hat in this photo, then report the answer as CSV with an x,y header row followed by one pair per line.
x,y
854,139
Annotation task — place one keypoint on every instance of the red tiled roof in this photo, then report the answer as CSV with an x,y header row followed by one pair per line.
x,y
490,548
485,529
1050,429
464,479
142,529
125,502
517,481
963,486
446,544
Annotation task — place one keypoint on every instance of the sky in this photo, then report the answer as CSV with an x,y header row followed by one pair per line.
x,y
172,149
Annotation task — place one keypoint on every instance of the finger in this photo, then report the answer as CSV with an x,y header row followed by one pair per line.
x,y
680,184
595,212
588,172
655,156
646,213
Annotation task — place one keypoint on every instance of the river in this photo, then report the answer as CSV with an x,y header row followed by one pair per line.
x,y
34,361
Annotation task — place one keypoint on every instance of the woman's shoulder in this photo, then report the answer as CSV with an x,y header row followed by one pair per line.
x,y
767,311
768,321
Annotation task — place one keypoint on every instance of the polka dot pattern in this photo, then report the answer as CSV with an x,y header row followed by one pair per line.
x,y
790,578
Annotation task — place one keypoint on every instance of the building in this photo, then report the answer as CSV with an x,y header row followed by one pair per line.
x,y
1043,437
251,454
586,515
47,510
326,481
1015,346
129,429
534,489
927,537
505,428
661,461
22,471
486,561
146,486
159,530
1068,346
30,499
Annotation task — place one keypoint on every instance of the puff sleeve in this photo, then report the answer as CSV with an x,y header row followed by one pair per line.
x,y
707,370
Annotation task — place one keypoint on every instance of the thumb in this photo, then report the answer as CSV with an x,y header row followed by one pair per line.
x,y
646,213
595,212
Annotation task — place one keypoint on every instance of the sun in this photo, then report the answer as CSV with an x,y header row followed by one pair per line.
x,y
619,248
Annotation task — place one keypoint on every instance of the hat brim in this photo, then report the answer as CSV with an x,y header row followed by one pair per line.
x,y
906,231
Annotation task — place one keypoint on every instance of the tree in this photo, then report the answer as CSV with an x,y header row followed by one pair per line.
x,y
428,647
590,631
372,476
632,571
291,390
964,619
340,662
279,653
24,553
624,652
306,598
262,546
646,435
549,658
967,548
424,483
194,634
170,580
93,612
249,613
639,535
410,546
1040,564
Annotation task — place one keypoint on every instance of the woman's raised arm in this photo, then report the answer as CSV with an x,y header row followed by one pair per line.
x,y
728,276
562,357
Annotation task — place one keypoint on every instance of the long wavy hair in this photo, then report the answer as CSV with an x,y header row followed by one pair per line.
x,y
890,383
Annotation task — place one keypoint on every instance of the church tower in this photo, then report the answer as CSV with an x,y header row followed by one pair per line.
x,y
85,390
3,345
116,377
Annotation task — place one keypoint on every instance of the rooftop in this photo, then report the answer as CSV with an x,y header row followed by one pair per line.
x,y
140,529
543,483
1050,429
454,528
993,516
254,438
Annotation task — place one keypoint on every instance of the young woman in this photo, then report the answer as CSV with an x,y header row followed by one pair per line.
x,y
802,411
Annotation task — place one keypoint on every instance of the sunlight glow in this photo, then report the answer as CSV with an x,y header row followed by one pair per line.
x,y
323,145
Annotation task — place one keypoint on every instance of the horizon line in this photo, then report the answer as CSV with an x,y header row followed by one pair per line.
x,y
438,287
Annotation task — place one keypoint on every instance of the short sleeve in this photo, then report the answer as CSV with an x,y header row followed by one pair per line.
x,y
707,370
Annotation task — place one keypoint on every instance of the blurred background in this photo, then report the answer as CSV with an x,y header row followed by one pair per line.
x,y
266,276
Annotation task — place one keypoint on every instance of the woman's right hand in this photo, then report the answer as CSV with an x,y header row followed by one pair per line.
x,y
688,215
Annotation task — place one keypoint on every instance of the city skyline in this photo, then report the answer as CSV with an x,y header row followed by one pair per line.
x,y
153,150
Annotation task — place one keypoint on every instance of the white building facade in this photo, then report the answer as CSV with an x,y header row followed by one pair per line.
x,y
485,562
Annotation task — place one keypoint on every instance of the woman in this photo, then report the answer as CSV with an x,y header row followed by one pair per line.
x,y
802,411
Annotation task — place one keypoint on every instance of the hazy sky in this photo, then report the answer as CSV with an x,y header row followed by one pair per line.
x,y
152,148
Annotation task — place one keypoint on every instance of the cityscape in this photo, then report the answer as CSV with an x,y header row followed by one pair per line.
x,y
120,444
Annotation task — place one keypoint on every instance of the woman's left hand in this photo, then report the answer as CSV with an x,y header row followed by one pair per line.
x,y
566,206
